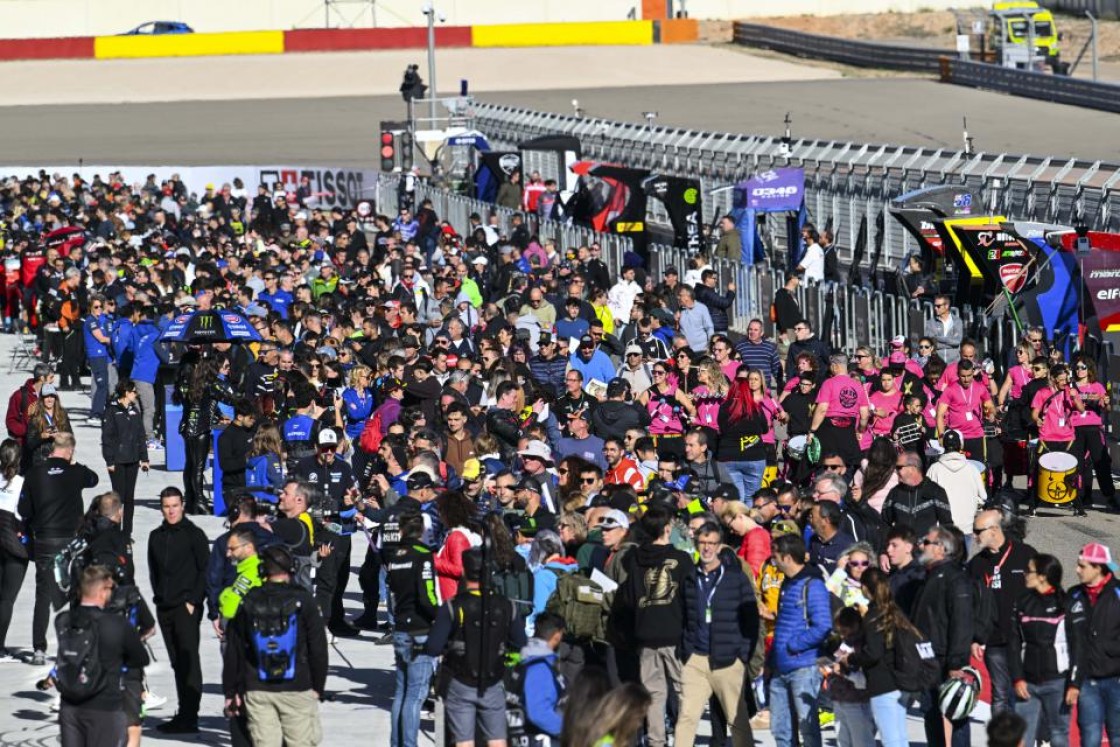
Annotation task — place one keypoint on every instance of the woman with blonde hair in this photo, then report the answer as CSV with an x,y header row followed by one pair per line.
x,y
754,548
264,474
357,400
710,392
613,721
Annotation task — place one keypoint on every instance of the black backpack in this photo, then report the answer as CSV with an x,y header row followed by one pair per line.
x,y
916,668
515,583
79,674
274,633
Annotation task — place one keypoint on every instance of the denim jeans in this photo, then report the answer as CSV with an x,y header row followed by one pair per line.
x,y
1098,705
746,476
414,673
854,727
1047,700
99,386
961,733
889,712
802,686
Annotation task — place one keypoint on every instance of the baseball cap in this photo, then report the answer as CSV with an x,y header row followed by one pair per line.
x,y
472,470
633,349
408,341
587,341
1094,552
48,390
528,483
726,491
545,338
951,440
615,519
327,437
420,479
528,526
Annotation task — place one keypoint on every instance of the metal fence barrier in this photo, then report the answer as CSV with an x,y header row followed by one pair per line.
x,y
1059,89
846,51
845,182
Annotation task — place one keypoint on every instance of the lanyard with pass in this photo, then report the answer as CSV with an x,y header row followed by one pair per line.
x,y
711,594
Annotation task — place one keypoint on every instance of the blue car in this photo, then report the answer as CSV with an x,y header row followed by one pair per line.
x,y
158,28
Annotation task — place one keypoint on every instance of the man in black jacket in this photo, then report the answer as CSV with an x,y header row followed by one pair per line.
x,y
101,719
916,501
178,553
719,305
1001,565
277,677
335,479
1094,614
475,698
233,447
51,506
806,342
619,413
722,630
651,610
501,421
907,574
943,612
411,578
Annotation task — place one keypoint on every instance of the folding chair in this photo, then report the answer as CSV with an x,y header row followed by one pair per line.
x,y
23,357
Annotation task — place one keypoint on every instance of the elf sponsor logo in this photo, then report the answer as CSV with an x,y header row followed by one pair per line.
x,y
1109,294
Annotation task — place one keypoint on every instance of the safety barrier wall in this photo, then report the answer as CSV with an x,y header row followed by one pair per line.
x,y
847,315
617,33
1109,9
845,182
846,51
1059,89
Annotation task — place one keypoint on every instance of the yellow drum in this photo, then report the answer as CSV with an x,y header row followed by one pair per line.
x,y
1057,477
768,476
981,468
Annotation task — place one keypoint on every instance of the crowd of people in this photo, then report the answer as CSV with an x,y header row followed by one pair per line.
x,y
593,513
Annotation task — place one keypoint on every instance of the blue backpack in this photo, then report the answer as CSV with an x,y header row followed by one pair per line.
x,y
274,636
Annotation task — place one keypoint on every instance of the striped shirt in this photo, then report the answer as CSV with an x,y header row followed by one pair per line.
x,y
762,355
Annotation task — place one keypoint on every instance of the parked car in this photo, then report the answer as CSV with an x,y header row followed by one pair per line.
x,y
155,28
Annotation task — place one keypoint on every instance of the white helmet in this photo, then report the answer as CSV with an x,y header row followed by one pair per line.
x,y
957,696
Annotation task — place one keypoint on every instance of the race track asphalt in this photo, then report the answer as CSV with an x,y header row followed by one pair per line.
x,y
343,130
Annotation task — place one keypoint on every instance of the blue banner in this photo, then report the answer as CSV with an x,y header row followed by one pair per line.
x,y
776,190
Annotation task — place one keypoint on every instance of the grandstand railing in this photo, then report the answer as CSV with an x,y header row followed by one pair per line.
x,y
845,182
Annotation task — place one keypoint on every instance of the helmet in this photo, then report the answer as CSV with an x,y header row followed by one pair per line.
x,y
957,696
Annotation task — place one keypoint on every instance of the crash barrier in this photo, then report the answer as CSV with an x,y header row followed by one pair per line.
x,y
615,33
1058,89
847,315
845,183
846,51
1105,9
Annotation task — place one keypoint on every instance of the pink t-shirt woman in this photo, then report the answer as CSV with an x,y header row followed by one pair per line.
x,y
771,409
1056,410
1090,416
881,425
707,405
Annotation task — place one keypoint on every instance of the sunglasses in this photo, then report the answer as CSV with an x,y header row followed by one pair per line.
x,y
588,480
859,563
658,373
925,347
1081,367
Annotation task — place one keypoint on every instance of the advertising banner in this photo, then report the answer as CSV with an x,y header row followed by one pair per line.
x,y
1102,283
682,199
776,190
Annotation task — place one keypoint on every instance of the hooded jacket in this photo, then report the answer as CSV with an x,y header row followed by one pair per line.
x,y
543,689
614,418
18,403
651,607
1095,632
963,486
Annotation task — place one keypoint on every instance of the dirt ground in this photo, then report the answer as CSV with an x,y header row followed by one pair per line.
x,y
938,28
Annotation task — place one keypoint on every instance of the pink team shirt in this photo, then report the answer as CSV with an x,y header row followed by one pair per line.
x,y
770,409
707,407
1056,411
965,408
1089,417
1020,377
843,395
892,403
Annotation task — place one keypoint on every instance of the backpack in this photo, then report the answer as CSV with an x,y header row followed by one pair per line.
x,y
582,604
466,657
70,561
985,613
515,584
370,440
916,667
274,634
79,674
520,732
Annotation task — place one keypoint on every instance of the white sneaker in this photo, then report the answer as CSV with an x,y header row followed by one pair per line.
x,y
153,701
56,704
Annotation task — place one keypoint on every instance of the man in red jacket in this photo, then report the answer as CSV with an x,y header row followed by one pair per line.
x,y
23,398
